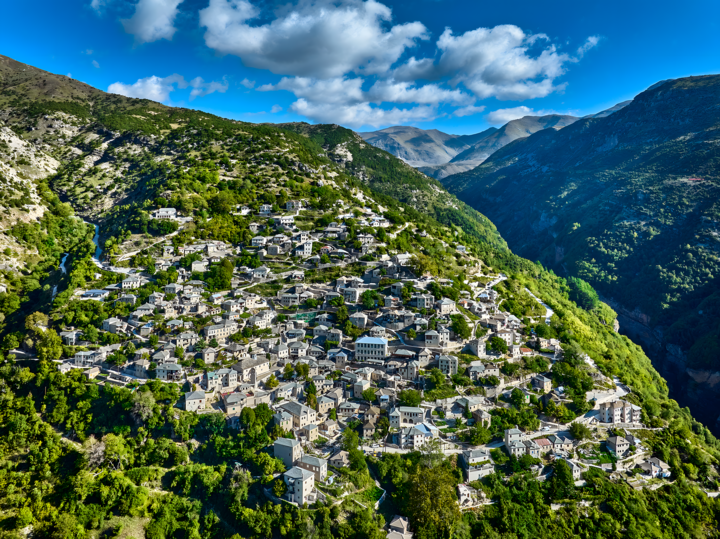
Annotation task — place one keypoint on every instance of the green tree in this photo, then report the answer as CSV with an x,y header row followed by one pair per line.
x,y
49,345
582,293
517,397
460,326
562,484
368,299
432,503
342,314
498,345
580,431
369,394
410,397
279,488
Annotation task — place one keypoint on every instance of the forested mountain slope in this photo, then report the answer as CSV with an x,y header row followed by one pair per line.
x,y
89,458
481,150
628,202
396,179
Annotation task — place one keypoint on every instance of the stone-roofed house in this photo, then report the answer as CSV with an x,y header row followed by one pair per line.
x,y
249,367
287,450
340,459
194,401
618,445
514,439
541,383
315,465
619,412
404,416
300,485
654,467
302,415
477,463
399,528
234,402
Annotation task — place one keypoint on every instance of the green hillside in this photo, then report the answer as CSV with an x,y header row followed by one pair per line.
x,y
393,178
90,452
628,203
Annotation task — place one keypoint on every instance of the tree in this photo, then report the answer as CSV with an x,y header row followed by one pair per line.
x,y
582,293
562,484
49,345
279,488
143,404
498,345
36,321
432,503
116,450
350,439
580,431
288,371
247,416
412,334
272,382
368,299
407,292
302,369
342,314
223,202
460,327
333,414
479,435
369,394
517,397
410,397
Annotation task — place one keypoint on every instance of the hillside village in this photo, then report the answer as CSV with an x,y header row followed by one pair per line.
x,y
378,350
282,331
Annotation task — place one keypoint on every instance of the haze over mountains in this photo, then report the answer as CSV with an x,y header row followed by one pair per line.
x,y
439,154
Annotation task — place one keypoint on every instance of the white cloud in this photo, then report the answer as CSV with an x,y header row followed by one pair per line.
x,y
404,92
590,43
275,109
153,20
315,38
201,88
333,91
159,88
346,61
503,116
95,63
69,75
362,113
87,51
502,62
154,88
342,100
98,5
468,111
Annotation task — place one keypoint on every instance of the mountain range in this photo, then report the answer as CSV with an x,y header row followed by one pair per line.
x,y
439,154
628,202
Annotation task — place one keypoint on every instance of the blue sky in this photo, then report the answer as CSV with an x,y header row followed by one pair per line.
x,y
455,65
